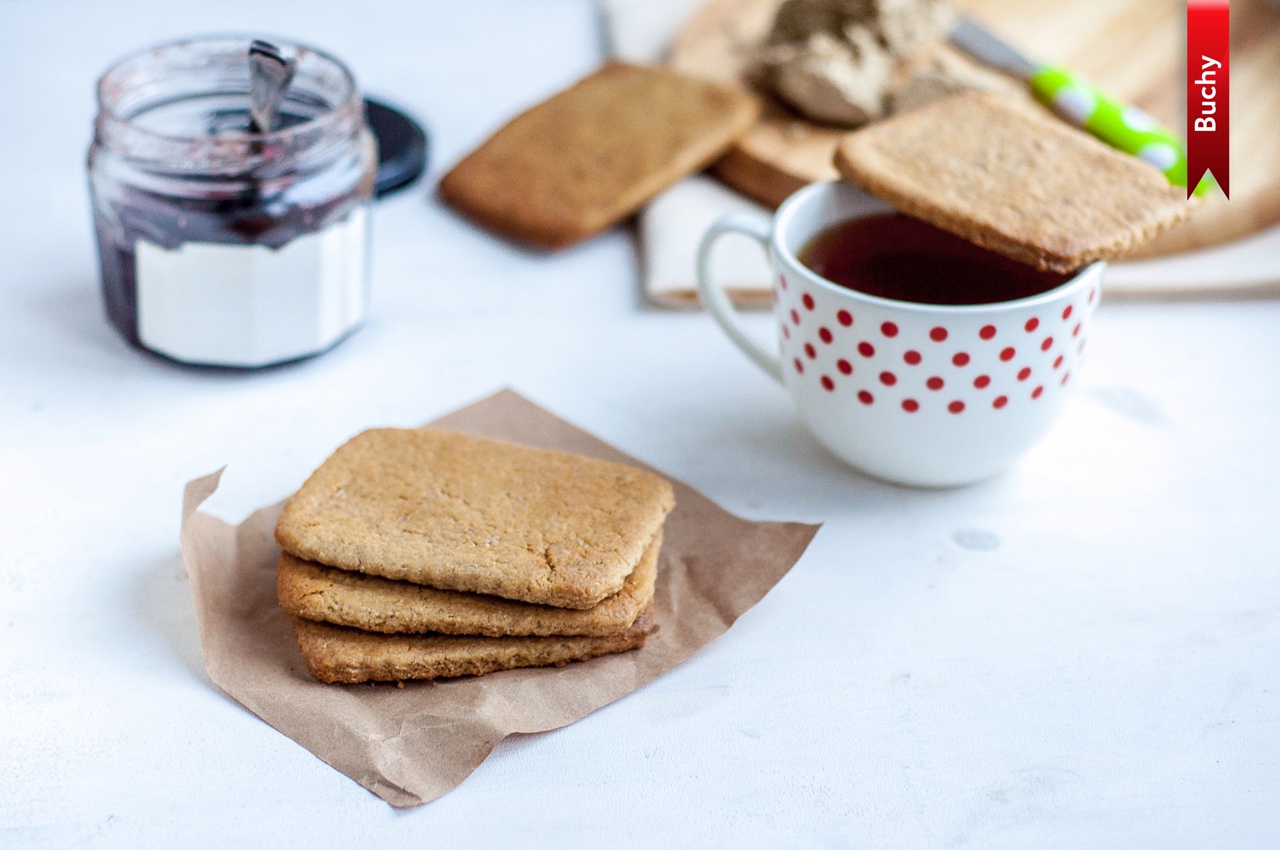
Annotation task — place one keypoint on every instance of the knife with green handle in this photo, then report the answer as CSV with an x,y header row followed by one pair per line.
x,y
1125,128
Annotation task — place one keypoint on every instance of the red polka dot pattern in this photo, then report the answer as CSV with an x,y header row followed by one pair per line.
x,y
829,349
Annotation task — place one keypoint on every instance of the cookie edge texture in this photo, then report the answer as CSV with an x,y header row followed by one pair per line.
x,y
340,655
357,600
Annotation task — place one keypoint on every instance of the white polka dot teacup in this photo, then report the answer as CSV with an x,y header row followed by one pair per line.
x,y
918,394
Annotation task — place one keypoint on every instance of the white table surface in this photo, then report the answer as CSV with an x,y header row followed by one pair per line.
x,y
1083,653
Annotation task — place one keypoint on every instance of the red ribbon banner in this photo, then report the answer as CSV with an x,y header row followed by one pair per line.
x,y
1208,92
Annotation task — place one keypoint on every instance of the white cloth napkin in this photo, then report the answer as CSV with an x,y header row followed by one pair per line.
x,y
671,226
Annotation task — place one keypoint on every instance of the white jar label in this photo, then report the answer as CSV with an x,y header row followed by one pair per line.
x,y
250,305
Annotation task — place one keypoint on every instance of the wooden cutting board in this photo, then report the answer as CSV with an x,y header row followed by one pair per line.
x,y
1132,48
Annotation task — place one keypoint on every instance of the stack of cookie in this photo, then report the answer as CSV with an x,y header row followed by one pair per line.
x,y
424,553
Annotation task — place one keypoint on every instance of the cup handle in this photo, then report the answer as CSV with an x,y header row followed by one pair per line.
x,y
716,300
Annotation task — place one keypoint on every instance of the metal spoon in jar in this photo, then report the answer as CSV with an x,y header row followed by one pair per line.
x,y
270,73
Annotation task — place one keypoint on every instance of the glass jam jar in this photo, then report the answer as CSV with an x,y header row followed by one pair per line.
x,y
218,245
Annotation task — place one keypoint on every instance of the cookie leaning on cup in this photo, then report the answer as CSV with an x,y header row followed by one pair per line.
x,y
1013,180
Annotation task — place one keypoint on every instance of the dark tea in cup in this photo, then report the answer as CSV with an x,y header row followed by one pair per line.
x,y
891,255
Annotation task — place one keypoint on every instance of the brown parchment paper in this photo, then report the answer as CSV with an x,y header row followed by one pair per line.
x,y
413,744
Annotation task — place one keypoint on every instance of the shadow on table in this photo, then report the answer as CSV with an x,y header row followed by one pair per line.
x,y
72,315
73,310
166,615
739,438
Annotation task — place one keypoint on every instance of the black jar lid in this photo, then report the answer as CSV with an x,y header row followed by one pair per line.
x,y
402,147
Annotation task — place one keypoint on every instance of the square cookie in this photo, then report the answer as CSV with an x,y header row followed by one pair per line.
x,y
374,604
338,654
1012,180
459,512
596,152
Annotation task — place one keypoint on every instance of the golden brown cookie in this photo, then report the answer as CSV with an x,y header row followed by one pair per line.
x,y
593,154
1012,180
338,654
329,595
459,512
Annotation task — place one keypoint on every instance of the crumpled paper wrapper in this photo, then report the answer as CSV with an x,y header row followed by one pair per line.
x,y
413,744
